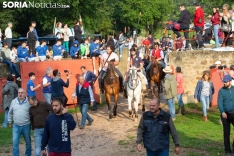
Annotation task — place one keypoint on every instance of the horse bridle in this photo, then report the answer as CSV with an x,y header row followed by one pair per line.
x,y
133,88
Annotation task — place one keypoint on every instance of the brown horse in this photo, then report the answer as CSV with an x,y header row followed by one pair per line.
x,y
111,87
155,75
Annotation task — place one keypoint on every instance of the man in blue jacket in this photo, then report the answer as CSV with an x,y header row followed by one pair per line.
x,y
74,51
95,52
57,131
90,78
226,108
58,50
41,51
23,53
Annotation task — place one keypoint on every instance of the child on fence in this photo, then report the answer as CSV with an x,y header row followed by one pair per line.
x,y
74,51
13,54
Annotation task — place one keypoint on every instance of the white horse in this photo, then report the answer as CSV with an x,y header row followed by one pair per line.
x,y
134,88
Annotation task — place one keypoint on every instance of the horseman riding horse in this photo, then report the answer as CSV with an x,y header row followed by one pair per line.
x,y
109,80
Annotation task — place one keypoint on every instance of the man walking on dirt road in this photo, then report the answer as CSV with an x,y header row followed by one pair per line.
x,y
154,128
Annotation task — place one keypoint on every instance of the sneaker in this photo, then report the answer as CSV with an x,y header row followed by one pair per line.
x,y
13,75
90,123
81,127
18,79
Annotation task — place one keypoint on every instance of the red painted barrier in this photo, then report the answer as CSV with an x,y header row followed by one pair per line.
x,y
216,77
73,66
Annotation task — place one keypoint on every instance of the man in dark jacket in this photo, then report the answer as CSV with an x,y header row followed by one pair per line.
x,y
85,98
57,131
38,114
225,104
31,41
90,78
184,22
9,92
77,31
153,130
57,86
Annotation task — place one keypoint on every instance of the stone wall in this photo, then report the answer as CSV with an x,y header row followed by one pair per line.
x,y
193,63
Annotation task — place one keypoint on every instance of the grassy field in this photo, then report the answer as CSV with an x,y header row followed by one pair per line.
x,y
196,136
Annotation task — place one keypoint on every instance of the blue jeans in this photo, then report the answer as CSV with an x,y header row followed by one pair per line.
x,y
47,97
84,112
171,106
22,60
121,49
5,122
25,131
205,100
37,134
180,99
157,153
216,29
13,67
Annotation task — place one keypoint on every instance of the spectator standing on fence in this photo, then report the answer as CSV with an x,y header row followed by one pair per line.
x,y
31,41
74,50
71,37
46,82
153,130
57,131
84,49
5,54
180,90
184,22
31,89
19,113
41,51
78,31
67,33
225,22
8,34
85,98
225,104
38,112
23,53
199,23
58,50
9,92
90,78
215,19
204,92
33,24
59,31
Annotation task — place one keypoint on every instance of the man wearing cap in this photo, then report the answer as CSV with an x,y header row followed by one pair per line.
x,y
199,23
225,104
170,87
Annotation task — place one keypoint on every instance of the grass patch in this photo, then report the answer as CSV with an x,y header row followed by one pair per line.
x,y
131,137
132,150
123,142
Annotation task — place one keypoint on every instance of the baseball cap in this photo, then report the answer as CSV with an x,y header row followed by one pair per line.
x,y
227,78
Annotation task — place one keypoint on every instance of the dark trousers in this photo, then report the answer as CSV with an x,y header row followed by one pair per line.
x,y
71,40
100,81
31,47
9,41
78,38
199,35
186,34
226,134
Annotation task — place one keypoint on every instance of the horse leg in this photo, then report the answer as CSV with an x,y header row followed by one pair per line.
x,y
108,101
152,88
159,85
115,107
130,106
143,104
136,108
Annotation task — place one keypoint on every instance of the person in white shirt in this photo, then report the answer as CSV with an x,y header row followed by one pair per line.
x,y
13,54
109,55
8,34
130,43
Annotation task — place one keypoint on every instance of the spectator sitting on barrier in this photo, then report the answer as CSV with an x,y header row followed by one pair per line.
x,y
5,53
23,53
169,46
179,44
49,54
14,55
194,42
74,51
103,46
84,49
58,50
41,51
31,89
95,52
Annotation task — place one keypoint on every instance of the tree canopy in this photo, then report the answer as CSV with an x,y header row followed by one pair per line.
x,y
101,16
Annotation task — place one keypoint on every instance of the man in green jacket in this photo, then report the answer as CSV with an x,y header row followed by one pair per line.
x,y
170,84
226,108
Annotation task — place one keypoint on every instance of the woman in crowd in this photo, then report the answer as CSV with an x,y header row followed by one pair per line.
x,y
204,92
67,33
59,31
215,19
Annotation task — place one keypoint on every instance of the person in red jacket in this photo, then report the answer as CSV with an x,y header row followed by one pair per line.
x,y
215,19
146,42
199,23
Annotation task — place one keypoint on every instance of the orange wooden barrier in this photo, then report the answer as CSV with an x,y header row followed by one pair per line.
x,y
73,66
216,77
